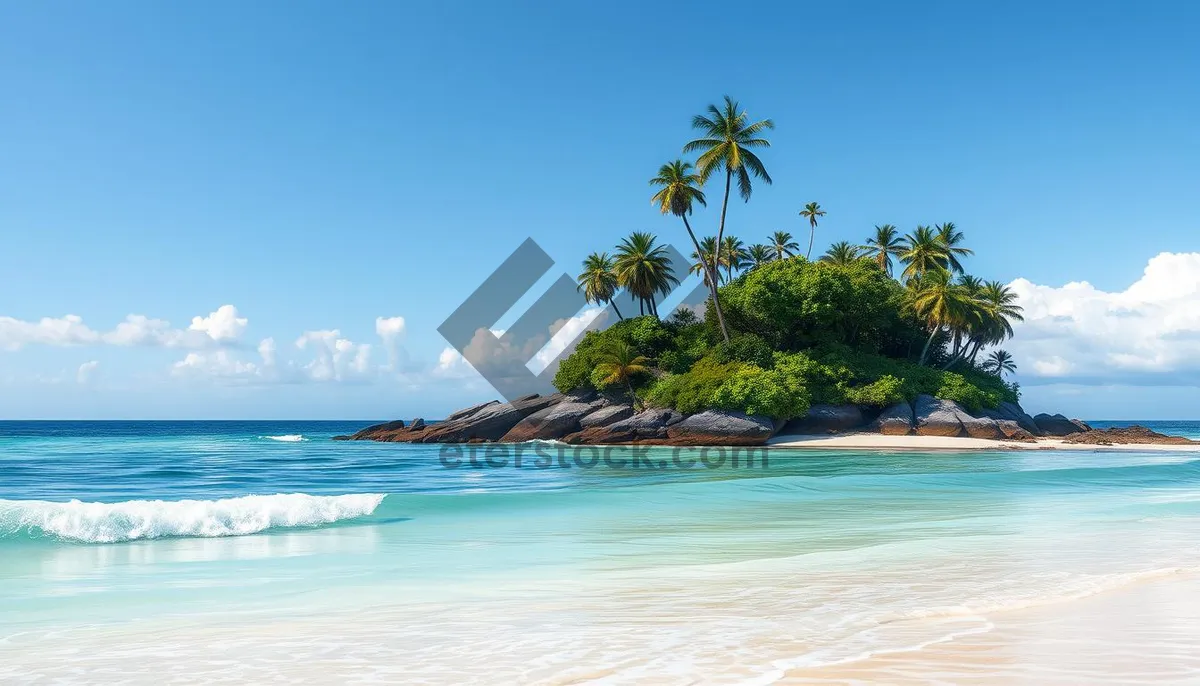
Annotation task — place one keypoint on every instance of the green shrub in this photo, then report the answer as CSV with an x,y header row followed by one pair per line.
x,y
955,387
693,390
884,391
745,347
754,390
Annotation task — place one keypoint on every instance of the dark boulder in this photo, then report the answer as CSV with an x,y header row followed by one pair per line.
x,y
551,423
417,424
1014,412
936,417
1056,425
468,411
980,427
489,423
720,427
646,425
1013,431
825,419
896,420
606,415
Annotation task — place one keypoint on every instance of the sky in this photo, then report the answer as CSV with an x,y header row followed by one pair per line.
x,y
265,210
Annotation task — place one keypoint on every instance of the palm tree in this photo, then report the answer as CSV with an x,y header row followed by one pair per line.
x,y
782,245
644,269
999,362
619,364
598,280
733,255
883,246
842,253
950,238
705,256
941,303
679,190
726,142
812,211
760,254
923,252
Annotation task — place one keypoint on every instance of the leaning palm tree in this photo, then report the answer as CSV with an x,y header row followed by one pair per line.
x,y
812,211
883,246
598,280
942,303
951,238
999,362
760,254
923,252
782,245
842,253
619,364
644,269
705,257
733,255
679,190
727,137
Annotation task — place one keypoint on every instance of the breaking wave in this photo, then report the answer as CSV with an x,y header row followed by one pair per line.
x,y
131,520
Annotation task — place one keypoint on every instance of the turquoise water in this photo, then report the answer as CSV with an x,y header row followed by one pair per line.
x,y
256,551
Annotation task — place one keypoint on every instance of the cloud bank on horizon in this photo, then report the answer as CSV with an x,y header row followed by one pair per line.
x,y
1147,334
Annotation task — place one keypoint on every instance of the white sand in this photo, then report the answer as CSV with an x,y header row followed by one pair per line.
x,y
879,441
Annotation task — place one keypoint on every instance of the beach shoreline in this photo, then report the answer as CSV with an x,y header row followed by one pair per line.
x,y
876,441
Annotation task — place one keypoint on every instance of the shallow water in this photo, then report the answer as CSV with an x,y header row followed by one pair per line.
x,y
276,553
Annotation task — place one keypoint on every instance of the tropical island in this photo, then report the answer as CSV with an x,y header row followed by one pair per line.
x,y
891,336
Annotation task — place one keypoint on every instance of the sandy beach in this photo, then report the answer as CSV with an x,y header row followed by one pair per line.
x,y
876,441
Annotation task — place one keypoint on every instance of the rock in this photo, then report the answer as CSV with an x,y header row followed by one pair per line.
x,y
646,425
1014,412
674,418
980,427
606,415
489,423
467,412
824,419
896,420
1129,434
1014,431
1083,426
376,432
720,427
551,423
935,417
1056,425
417,424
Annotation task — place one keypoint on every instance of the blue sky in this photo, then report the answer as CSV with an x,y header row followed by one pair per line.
x,y
320,166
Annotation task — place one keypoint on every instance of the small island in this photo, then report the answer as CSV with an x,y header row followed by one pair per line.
x,y
888,338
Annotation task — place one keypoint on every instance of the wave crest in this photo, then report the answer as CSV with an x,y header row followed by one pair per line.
x,y
137,519
286,438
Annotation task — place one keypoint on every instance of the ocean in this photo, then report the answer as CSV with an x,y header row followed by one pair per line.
x,y
252,552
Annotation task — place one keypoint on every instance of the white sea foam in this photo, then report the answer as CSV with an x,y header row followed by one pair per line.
x,y
136,519
286,438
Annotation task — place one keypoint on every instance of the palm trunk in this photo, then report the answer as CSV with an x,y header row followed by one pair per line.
x,y
710,273
812,232
614,306
928,341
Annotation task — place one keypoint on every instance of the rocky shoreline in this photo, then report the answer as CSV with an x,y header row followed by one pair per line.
x,y
594,419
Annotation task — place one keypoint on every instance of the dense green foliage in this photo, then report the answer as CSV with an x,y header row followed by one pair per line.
x,y
781,332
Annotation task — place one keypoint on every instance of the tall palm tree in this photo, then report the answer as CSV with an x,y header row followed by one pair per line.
x,y
941,303
727,137
883,246
842,253
619,364
923,252
733,255
812,211
999,362
598,280
679,190
705,256
951,238
760,254
782,245
644,269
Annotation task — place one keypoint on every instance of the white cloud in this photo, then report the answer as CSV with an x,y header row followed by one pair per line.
x,y
84,374
1147,334
220,327
218,364
267,350
391,331
564,340
337,358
